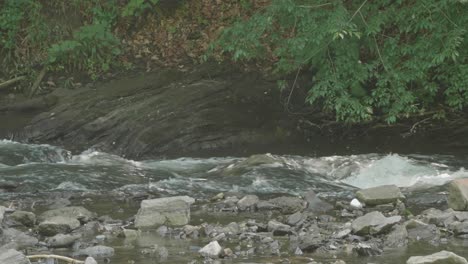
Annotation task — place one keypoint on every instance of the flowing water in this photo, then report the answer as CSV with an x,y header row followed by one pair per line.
x,y
35,171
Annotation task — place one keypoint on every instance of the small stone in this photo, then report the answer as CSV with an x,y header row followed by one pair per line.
x,y
212,250
439,257
356,204
228,252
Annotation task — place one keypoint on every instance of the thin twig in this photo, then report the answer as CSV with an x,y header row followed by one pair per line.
x,y
314,6
12,81
67,259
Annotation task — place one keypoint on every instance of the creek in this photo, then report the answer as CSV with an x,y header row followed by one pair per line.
x,y
39,177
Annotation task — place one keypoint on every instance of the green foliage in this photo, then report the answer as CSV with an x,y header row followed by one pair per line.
x,y
371,59
137,7
20,16
93,49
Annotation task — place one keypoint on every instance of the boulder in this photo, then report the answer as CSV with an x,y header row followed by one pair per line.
x,y
24,218
380,195
373,223
57,224
77,212
170,211
212,250
288,205
442,257
438,217
458,194
12,256
248,202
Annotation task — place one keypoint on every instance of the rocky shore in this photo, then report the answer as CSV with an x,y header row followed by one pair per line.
x,y
279,229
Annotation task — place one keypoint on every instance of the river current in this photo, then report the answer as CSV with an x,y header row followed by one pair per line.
x,y
42,168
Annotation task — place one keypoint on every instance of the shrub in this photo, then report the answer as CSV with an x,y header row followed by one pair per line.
x,y
371,59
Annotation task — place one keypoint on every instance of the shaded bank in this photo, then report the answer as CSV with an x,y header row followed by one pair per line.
x,y
212,110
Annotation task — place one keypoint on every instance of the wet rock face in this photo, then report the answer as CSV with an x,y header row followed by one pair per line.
x,y
166,113
171,211
458,195
380,195
438,258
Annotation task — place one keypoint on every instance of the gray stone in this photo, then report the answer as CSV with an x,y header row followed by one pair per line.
x,y
78,212
373,223
458,194
25,218
96,252
212,250
12,256
57,224
90,260
278,229
442,257
397,238
420,231
380,195
295,218
288,205
62,241
170,211
248,202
